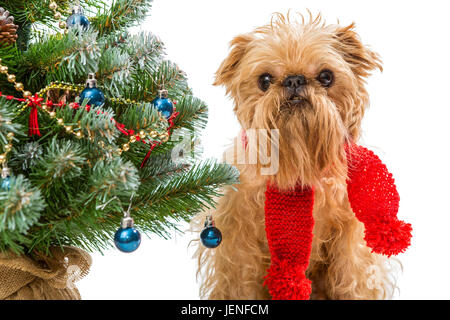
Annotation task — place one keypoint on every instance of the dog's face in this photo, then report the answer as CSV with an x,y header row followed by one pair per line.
x,y
307,81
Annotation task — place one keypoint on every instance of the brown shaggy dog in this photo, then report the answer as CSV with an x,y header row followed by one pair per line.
x,y
330,64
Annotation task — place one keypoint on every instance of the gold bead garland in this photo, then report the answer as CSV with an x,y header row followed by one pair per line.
x,y
164,137
77,130
125,101
12,79
7,147
74,129
53,6
57,15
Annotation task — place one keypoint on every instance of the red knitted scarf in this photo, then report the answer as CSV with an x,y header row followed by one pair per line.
x,y
289,222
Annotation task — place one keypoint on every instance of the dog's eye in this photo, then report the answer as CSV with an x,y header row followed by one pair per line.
x,y
264,81
326,78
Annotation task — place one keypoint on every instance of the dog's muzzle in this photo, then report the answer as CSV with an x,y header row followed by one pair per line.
x,y
294,86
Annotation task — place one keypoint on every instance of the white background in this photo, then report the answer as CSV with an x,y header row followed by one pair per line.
x,y
407,125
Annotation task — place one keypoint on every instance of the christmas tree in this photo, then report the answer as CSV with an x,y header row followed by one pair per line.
x,y
88,113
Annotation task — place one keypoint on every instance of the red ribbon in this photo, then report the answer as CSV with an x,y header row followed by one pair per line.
x,y
147,156
157,143
12,98
121,127
33,125
35,101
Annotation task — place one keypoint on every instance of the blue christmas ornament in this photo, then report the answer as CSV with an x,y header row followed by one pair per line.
x,y
78,19
163,103
127,238
94,94
6,183
211,237
6,179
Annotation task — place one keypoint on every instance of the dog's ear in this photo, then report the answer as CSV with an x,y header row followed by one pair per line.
x,y
239,46
361,59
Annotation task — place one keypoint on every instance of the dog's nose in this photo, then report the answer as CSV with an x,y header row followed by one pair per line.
x,y
292,83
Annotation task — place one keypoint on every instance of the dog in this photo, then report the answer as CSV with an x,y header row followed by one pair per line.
x,y
306,79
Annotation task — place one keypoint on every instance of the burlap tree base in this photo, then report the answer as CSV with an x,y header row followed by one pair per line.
x,y
45,277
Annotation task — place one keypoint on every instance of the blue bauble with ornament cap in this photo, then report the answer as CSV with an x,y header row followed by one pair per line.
x,y
5,183
94,94
127,238
78,19
163,103
211,237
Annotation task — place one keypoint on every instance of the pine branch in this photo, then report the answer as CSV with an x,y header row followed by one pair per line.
x,y
69,190
120,15
180,196
38,11
59,58
144,117
110,178
26,156
146,51
91,212
124,57
161,167
146,84
20,208
193,114
115,68
61,164
9,56
6,121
